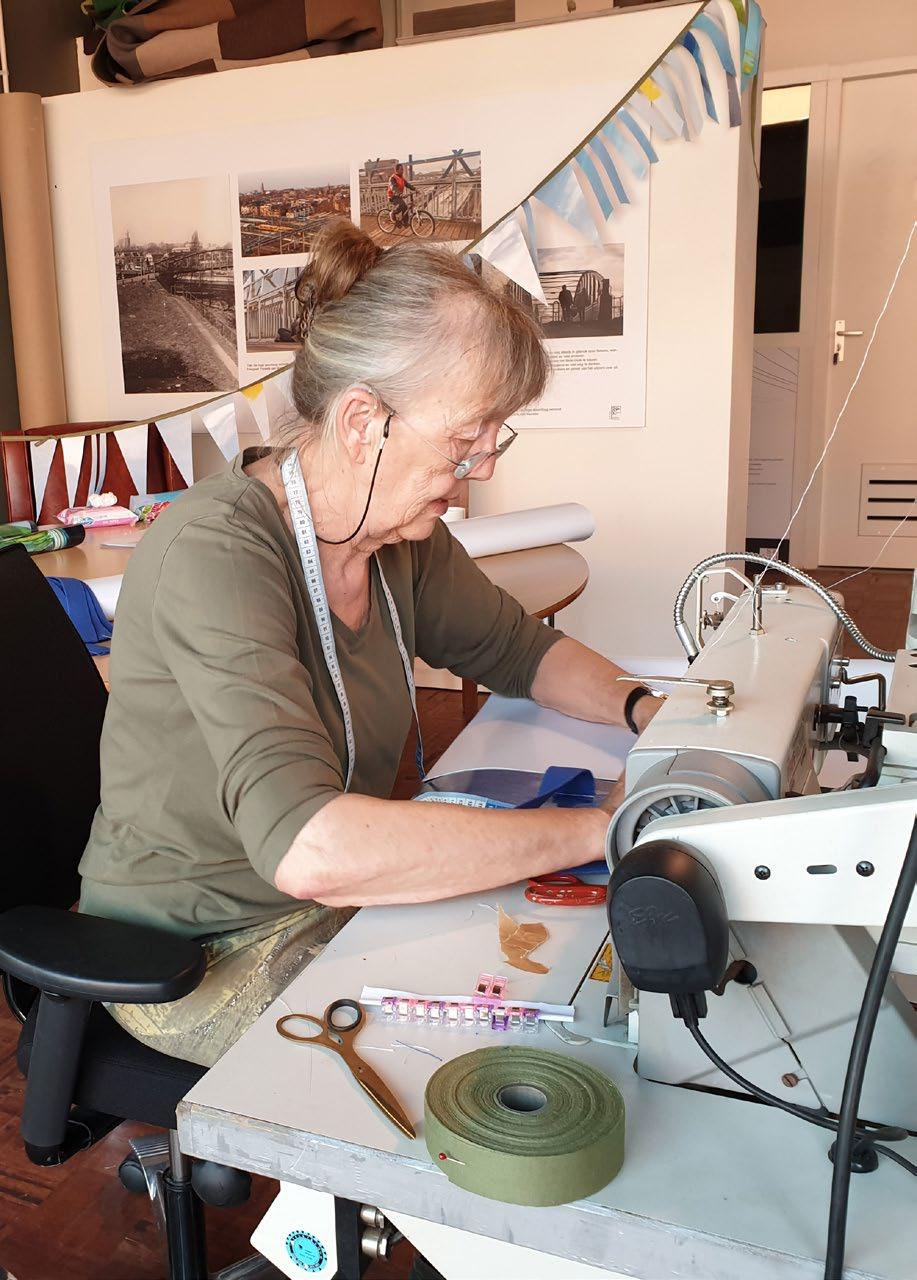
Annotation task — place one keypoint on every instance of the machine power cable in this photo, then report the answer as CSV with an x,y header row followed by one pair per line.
x,y
859,1051
524,1125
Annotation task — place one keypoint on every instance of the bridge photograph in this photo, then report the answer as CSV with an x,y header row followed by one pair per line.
x,y
583,289
271,309
176,294
280,211
426,197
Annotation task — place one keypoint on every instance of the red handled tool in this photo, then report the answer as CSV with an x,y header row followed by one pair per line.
x,y
564,891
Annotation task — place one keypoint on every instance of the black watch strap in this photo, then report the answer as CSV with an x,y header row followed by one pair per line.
x,y
639,691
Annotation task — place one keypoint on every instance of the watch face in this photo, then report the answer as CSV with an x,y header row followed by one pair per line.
x,y
306,1251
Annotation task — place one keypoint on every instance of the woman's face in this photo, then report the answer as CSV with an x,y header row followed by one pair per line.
x,y
416,477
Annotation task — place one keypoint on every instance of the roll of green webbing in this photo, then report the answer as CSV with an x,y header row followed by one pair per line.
x,y
524,1125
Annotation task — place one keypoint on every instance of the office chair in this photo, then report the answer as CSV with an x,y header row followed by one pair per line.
x,y
85,1074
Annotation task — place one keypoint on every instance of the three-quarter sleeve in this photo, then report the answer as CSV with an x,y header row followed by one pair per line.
x,y
467,624
224,621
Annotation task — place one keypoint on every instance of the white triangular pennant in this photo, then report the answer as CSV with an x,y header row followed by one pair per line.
x,y
278,393
219,418
684,71
724,15
562,194
253,400
592,204
505,248
552,231
42,455
132,442
72,449
176,436
103,463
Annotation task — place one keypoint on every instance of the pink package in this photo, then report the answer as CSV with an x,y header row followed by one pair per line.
x,y
100,516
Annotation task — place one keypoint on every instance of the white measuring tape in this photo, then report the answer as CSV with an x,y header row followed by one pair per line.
x,y
306,541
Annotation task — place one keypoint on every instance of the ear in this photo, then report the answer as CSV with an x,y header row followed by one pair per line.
x,y
359,422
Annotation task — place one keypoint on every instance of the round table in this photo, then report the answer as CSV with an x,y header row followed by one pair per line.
x,y
543,579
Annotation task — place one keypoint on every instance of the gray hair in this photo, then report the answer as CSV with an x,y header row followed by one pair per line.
x,y
395,320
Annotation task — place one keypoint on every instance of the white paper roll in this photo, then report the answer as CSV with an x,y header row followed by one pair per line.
x,y
106,591
519,530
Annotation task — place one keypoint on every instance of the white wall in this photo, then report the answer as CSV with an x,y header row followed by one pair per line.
x,y
660,494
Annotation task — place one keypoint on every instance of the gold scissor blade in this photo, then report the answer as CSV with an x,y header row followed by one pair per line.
x,y
380,1093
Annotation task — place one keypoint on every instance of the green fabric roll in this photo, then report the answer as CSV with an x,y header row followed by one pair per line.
x,y
524,1126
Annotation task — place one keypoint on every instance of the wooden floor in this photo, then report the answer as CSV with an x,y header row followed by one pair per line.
x,y
77,1221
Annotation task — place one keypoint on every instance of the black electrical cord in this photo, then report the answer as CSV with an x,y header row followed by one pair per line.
x,y
819,1118
859,1051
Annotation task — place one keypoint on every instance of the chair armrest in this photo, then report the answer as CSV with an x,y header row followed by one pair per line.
x,y
91,958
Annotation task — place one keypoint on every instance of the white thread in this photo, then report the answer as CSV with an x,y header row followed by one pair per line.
x,y
736,611
902,521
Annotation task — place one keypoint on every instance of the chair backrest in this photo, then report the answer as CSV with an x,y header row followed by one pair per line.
x,y
52,703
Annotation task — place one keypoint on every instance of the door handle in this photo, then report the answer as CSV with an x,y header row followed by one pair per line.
x,y
840,334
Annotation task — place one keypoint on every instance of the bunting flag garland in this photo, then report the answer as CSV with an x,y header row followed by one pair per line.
x,y
177,437
698,78
133,445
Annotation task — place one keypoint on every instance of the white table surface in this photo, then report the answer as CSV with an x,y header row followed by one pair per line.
x,y
712,1188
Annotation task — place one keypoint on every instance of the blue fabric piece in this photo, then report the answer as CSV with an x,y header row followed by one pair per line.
x,y
609,166
84,611
665,80
626,118
586,163
694,49
568,788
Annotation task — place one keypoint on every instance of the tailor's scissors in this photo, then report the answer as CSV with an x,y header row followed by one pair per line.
x,y
338,1036
564,891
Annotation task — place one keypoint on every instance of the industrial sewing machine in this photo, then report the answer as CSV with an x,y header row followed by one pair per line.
x,y
729,769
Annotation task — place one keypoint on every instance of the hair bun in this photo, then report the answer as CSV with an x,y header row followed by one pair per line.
x,y
342,254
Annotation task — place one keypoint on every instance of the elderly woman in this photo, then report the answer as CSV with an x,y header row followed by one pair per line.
x,y
261,687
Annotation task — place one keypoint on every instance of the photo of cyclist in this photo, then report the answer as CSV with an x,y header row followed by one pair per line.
x,y
397,184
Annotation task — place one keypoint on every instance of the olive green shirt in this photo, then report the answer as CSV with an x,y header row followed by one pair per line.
x,y
223,734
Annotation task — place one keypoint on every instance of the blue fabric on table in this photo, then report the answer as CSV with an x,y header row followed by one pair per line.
x,y
84,611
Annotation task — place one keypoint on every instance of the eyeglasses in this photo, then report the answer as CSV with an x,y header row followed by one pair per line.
x,y
505,437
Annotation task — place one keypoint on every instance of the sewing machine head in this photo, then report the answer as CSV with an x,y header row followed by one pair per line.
x,y
806,877
708,747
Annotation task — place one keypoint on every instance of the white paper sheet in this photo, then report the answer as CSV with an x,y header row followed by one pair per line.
x,y
106,591
519,530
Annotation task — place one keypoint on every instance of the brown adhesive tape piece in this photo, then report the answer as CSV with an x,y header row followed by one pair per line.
x,y
517,940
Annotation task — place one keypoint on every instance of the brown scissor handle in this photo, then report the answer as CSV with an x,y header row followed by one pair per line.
x,y
328,1033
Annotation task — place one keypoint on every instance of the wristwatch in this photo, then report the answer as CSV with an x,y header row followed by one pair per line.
x,y
639,691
